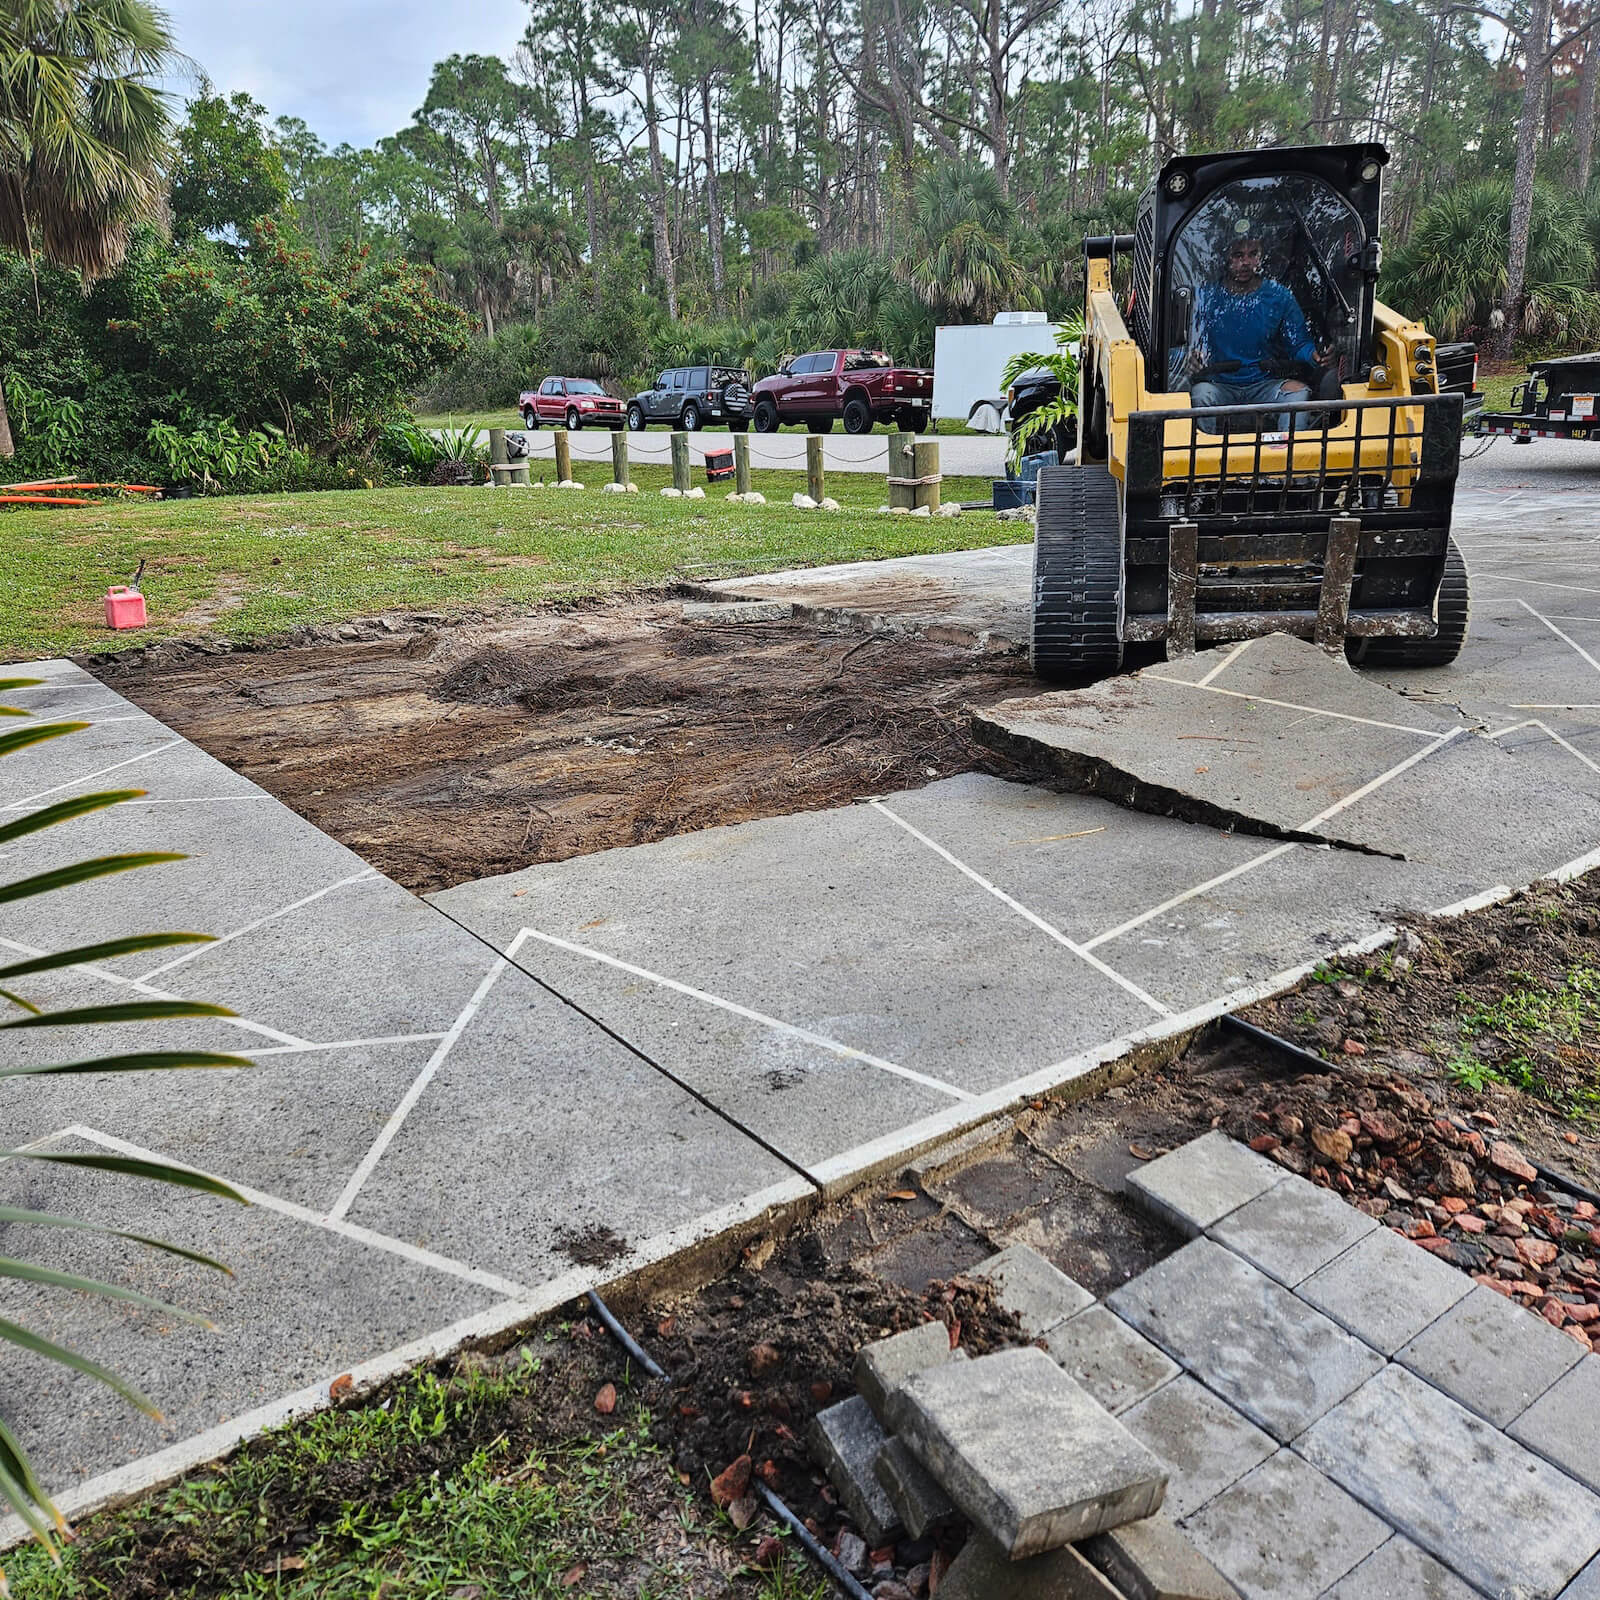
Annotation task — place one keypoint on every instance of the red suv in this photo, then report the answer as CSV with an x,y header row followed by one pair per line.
x,y
569,403
861,386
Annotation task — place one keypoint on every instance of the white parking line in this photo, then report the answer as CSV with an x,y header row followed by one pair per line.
x,y
1537,583
366,874
344,1044
1226,662
1044,927
289,1208
1545,728
805,1035
1565,638
1292,705
88,777
398,1116
1370,787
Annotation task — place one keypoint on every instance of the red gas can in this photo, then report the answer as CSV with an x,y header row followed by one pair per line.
x,y
124,607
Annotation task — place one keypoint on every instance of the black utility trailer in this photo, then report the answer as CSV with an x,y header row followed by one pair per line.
x,y
1559,400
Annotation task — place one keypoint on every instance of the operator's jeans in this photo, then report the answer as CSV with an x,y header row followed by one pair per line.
x,y
1209,392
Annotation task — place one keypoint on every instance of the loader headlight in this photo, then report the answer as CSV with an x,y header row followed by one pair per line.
x,y
1370,169
1177,184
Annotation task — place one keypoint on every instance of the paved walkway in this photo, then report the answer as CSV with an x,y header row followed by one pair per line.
x,y
1342,1413
465,1112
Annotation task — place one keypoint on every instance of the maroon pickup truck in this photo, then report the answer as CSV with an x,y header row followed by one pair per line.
x,y
861,386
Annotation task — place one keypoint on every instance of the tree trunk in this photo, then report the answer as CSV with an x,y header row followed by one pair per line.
x,y
1583,128
8,446
713,197
658,199
1536,57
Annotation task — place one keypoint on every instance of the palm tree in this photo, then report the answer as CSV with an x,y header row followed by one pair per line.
x,y
85,135
960,256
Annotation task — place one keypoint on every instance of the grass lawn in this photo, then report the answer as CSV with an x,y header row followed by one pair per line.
x,y
251,566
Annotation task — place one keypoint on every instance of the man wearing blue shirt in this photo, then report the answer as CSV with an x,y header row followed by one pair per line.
x,y
1240,325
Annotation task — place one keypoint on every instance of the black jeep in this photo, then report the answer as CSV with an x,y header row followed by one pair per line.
x,y
691,397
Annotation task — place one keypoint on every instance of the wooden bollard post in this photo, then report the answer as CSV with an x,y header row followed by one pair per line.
x,y
816,486
680,462
619,457
902,464
925,464
563,456
497,447
741,463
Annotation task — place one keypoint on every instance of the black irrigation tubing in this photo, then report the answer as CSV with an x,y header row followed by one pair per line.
x,y
829,1564
1546,1175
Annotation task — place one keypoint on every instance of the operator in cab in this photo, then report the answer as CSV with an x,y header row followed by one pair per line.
x,y
1246,325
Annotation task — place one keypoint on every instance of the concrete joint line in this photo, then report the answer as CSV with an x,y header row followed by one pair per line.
x,y
89,777
90,971
1081,951
366,874
805,1035
1290,705
382,1242
398,1116
1544,727
1565,638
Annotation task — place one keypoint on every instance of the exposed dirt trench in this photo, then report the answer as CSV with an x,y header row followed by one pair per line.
x,y
443,754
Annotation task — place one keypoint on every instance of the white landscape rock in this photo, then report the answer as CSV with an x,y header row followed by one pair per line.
x,y
613,488
633,488
921,511
696,493
734,498
669,493
829,504
569,483
755,498
950,511
803,502
900,511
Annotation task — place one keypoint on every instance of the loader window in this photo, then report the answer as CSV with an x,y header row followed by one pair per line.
x,y
1265,283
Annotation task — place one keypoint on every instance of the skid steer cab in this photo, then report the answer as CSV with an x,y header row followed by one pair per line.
x,y
1264,447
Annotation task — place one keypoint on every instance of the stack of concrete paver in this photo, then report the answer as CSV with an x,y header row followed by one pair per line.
x,y
1297,1403
1063,1501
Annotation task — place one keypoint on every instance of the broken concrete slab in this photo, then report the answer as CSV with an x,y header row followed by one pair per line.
x,y
1479,1502
1292,1230
1490,1355
1563,1425
944,1158
881,1367
1385,1290
1586,1586
1038,1294
1025,1452
983,1572
1205,1444
1398,1570
915,1493
1152,1560
1285,1532
1245,1337
1197,1185
1115,1364
846,1439
737,611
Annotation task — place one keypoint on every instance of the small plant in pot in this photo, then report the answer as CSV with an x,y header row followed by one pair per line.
x,y
461,457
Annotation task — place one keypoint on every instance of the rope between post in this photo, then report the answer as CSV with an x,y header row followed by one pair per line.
x,y
916,483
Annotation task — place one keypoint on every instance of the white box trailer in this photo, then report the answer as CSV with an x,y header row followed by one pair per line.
x,y
968,361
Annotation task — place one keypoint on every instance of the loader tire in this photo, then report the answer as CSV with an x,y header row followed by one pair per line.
x,y
1454,608
1077,574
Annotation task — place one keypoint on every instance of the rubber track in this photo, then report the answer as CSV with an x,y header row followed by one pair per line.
x,y
1455,606
1077,574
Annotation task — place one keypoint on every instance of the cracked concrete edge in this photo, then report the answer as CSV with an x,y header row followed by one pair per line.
x,y
1103,779
703,1240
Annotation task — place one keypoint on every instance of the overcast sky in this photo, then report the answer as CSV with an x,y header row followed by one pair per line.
x,y
353,69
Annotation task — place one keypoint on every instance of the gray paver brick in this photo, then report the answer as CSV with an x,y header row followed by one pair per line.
x,y
1563,1425
1491,1510
1025,1452
982,1572
1292,1230
1284,1532
1398,1570
886,1362
1197,1185
1116,1365
1385,1290
1245,1337
1206,1445
846,1438
1490,1355
1039,1294
1152,1560
1586,1586
916,1496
